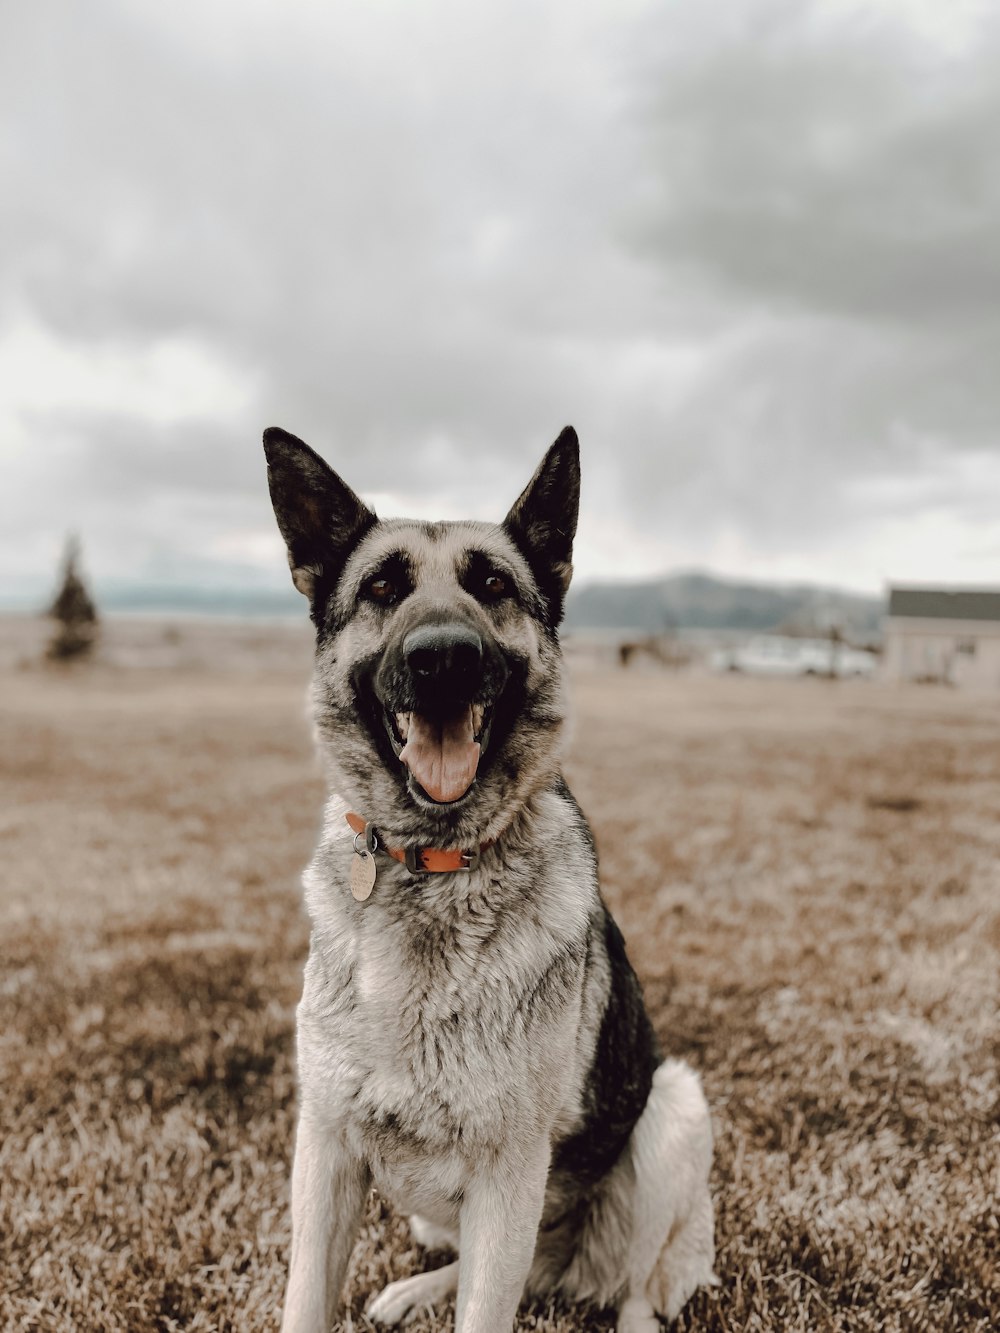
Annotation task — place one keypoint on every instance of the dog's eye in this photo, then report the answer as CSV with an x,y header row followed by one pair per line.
x,y
495,586
382,591
480,577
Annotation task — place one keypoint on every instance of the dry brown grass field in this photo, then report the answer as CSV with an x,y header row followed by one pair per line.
x,y
808,877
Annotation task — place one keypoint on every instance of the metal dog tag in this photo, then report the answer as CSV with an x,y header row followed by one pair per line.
x,y
362,875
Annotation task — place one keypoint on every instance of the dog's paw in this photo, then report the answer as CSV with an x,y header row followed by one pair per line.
x,y
393,1303
637,1316
410,1294
400,1300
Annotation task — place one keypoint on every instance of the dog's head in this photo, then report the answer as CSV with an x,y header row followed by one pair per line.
x,y
438,693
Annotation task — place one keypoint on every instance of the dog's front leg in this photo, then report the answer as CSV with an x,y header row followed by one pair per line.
x,y
498,1230
328,1194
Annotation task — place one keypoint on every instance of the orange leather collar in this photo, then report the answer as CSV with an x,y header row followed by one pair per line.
x,y
418,860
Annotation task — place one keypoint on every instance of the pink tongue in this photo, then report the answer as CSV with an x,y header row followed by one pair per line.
x,y
442,758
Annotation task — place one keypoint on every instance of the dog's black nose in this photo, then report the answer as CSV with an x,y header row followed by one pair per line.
x,y
448,658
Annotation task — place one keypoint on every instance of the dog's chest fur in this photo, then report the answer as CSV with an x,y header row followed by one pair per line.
x,y
442,1017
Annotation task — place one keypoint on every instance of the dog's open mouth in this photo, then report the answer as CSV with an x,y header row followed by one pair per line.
x,y
441,754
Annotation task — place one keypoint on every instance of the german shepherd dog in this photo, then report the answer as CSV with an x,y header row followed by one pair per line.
x,y
471,1038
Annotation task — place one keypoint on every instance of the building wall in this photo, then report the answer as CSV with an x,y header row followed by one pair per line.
x,y
962,652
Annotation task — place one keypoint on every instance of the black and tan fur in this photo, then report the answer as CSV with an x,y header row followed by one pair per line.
x,y
474,1044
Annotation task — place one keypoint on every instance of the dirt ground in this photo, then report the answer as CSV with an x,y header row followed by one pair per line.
x,y
808,878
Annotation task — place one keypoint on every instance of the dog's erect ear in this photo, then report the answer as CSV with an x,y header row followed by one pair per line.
x,y
320,517
542,520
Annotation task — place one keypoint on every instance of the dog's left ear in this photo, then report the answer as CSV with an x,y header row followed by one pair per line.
x,y
320,517
542,520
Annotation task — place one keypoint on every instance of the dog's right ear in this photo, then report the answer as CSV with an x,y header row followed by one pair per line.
x,y
320,517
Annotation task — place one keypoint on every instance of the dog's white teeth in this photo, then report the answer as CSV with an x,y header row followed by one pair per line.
x,y
403,725
478,712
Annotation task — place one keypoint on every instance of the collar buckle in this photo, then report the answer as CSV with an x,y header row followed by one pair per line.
x,y
472,859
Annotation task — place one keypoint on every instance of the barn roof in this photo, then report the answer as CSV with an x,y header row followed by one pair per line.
x,y
944,603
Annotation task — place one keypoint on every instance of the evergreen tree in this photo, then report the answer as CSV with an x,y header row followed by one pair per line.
x,y
73,611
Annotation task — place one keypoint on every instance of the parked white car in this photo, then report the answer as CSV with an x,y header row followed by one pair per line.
x,y
776,655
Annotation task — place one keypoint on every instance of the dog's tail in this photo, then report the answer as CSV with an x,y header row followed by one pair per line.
x,y
673,1248
647,1241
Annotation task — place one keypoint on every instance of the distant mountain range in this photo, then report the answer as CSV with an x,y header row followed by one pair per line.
x,y
700,601
652,606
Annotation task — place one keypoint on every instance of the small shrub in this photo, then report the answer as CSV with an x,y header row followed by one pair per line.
x,y
73,611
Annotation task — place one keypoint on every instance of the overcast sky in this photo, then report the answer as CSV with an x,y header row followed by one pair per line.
x,y
750,250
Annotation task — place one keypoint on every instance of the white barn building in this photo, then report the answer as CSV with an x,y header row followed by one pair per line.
x,y
941,634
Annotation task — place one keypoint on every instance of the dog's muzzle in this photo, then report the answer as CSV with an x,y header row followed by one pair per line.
x,y
440,728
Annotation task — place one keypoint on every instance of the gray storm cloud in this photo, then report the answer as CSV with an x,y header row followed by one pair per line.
x,y
749,250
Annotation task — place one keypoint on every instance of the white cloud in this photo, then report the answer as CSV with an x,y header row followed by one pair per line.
x,y
165,382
